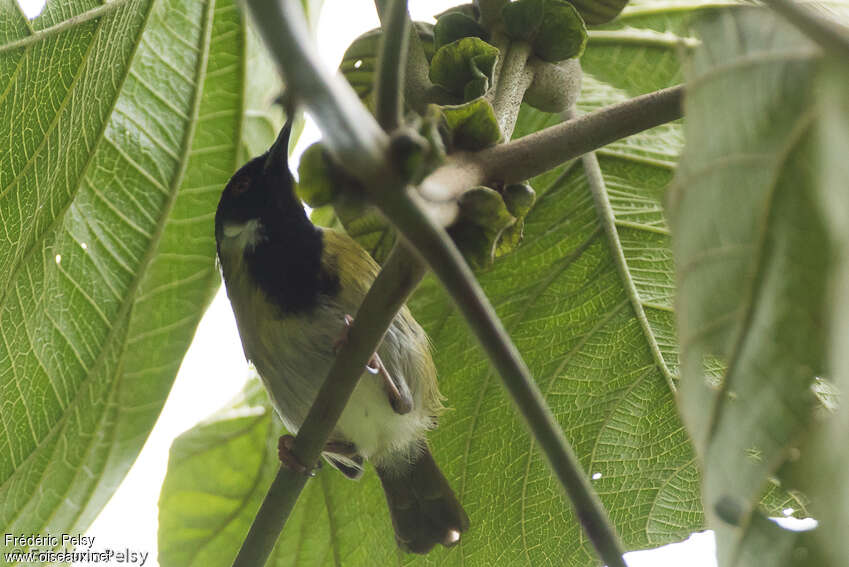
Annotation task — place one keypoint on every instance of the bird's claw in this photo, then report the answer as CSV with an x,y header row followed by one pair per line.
x,y
285,445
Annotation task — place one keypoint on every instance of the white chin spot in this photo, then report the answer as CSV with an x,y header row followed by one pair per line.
x,y
244,234
453,536
233,230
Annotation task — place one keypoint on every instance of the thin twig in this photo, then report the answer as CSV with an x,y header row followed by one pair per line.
x,y
389,105
270,519
402,271
828,34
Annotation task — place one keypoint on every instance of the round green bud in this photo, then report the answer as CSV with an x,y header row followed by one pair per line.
x,y
556,86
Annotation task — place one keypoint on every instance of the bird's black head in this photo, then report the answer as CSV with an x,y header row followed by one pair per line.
x,y
264,235
262,190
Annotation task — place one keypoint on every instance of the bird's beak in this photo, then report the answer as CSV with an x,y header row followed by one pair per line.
x,y
278,153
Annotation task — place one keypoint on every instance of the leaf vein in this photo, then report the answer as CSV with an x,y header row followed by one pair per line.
x,y
607,220
71,22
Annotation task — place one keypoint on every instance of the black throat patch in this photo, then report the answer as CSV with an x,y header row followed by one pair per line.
x,y
286,265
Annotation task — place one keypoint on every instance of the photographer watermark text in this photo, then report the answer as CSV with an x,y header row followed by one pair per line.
x,y
34,549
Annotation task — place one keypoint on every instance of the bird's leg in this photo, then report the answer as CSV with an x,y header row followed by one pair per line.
x,y
399,398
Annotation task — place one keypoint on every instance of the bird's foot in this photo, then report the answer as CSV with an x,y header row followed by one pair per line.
x,y
401,403
288,459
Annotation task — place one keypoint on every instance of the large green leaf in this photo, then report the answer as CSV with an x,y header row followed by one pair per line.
x,y
124,121
225,462
755,256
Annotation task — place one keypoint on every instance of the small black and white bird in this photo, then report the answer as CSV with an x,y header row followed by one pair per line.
x,y
293,287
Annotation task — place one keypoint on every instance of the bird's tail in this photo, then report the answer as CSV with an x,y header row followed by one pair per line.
x,y
423,507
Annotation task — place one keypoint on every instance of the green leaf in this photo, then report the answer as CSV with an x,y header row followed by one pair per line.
x,y
359,62
365,224
467,9
597,12
523,18
326,217
606,374
519,198
473,125
636,54
217,475
124,123
453,26
482,219
316,185
648,36
417,148
489,12
464,67
341,203
755,264
562,34
510,238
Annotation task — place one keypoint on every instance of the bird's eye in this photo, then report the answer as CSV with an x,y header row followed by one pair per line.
x,y
239,186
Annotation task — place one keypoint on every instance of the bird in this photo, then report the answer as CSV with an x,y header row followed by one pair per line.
x,y
293,287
